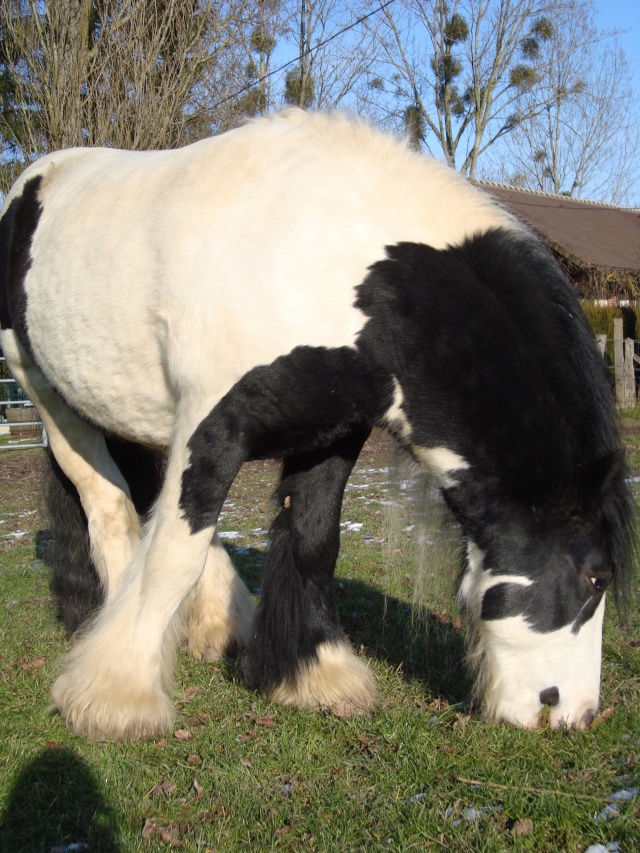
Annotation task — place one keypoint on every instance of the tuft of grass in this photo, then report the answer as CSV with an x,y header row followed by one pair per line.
x,y
420,773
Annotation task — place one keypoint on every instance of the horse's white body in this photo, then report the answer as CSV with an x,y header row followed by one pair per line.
x,y
196,288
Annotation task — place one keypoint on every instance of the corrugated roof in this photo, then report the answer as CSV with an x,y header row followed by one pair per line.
x,y
585,232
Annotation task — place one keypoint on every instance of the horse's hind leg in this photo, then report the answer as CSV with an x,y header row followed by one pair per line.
x,y
75,584
298,654
82,455
74,581
219,612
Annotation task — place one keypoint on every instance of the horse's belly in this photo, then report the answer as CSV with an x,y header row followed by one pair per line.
x,y
124,398
133,403
113,377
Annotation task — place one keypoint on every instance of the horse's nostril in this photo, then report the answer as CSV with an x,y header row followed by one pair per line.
x,y
586,720
550,696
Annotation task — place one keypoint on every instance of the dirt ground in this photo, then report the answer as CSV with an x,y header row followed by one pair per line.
x,y
26,465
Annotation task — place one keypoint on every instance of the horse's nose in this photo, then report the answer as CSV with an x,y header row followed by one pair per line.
x,y
586,719
550,696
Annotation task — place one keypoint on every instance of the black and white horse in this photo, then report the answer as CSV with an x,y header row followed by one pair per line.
x,y
276,292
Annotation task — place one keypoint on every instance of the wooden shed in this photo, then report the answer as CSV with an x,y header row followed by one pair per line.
x,y
598,244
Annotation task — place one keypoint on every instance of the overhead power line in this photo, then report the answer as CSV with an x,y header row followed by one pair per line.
x,y
310,50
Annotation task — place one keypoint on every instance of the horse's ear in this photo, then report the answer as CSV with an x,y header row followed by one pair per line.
x,y
606,473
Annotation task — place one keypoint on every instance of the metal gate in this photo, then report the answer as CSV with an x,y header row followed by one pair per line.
x,y
20,424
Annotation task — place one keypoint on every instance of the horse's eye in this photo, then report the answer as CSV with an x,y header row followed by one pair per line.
x,y
600,583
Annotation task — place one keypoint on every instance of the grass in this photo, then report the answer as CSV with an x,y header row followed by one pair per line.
x,y
240,774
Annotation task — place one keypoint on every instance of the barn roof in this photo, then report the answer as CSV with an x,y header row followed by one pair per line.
x,y
585,232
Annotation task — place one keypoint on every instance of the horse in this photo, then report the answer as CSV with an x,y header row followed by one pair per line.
x,y
277,292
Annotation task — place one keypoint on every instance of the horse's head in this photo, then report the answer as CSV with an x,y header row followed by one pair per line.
x,y
533,588
540,553
536,605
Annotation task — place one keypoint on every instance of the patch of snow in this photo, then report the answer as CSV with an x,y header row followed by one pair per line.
x,y
609,812
624,795
471,814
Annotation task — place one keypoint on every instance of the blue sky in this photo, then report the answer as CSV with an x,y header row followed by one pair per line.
x,y
624,15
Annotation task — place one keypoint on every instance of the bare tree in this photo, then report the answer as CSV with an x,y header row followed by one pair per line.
x,y
461,66
255,92
335,53
584,142
106,72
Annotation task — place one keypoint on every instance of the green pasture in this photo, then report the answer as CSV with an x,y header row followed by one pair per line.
x,y
238,773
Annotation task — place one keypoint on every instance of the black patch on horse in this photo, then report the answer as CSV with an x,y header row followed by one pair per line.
x,y
568,564
296,613
301,402
17,228
313,408
483,338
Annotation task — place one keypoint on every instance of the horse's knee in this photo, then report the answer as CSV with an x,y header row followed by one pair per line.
x,y
114,535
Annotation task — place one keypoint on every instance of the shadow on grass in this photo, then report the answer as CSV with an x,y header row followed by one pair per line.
x,y
42,542
426,646
56,805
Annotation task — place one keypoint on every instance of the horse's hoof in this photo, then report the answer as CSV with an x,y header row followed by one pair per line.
x,y
212,645
106,693
337,681
116,713
347,710
213,638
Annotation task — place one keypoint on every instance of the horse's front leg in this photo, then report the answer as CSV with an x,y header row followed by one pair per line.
x,y
114,682
298,654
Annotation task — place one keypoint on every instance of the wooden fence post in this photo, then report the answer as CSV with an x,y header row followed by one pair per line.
x,y
629,375
625,357
618,358
601,341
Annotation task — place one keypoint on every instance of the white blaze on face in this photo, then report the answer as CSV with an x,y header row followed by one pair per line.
x,y
521,663
516,663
